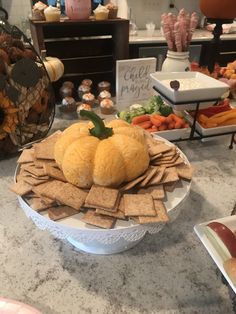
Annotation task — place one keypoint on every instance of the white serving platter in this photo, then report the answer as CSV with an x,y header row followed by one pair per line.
x,y
125,234
210,131
230,222
204,88
172,135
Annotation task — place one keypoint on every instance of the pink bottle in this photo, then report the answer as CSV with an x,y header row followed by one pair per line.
x,y
78,9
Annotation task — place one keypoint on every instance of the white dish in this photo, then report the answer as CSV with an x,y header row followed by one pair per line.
x,y
172,135
230,222
210,131
206,87
125,234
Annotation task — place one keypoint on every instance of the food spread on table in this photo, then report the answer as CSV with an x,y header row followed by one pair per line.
x,y
106,171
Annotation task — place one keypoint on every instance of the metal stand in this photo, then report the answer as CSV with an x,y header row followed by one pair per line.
x,y
194,131
216,41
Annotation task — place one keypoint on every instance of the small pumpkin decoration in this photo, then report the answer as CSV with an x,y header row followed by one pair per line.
x,y
54,67
218,9
105,155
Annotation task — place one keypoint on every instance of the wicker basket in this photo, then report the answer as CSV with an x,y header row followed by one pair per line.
x,y
27,102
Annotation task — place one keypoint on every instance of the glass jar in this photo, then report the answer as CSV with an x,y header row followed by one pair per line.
x,y
176,62
78,9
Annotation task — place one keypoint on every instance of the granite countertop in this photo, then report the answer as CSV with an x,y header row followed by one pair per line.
x,y
166,273
199,35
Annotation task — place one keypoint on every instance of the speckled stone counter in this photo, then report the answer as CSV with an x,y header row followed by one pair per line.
x,y
169,272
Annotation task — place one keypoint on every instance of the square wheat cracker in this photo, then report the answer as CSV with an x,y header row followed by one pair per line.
x,y
71,195
158,177
157,192
26,156
21,188
60,212
118,214
103,197
161,214
54,172
101,221
185,171
150,174
139,205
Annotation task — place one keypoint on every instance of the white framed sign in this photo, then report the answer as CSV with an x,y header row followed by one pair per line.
x,y
133,82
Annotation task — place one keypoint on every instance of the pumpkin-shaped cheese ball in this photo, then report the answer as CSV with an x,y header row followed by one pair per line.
x,y
104,155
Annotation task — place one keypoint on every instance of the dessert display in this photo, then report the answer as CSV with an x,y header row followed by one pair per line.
x,y
38,11
83,89
126,181
101,12
83,107
88,98
113,9
26,95
107,106
103,95
52,14
104,85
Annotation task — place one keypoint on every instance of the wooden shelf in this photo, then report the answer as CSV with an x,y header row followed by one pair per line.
x,y
88,48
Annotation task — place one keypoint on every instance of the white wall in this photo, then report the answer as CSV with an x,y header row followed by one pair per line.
x,y
18,11
150,10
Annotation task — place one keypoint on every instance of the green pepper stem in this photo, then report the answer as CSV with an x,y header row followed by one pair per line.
x,y
100,130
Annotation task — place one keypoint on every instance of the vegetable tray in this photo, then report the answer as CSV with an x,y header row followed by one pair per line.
x,y
209,131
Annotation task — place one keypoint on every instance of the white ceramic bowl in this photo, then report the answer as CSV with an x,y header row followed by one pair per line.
x,y
203,87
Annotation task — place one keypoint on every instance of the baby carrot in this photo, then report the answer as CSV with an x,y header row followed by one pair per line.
x,y
139,119
145,124
155,121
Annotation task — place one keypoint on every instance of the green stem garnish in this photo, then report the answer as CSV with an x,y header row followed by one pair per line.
x,y
100,130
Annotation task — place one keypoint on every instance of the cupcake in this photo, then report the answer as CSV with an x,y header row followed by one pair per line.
x,y
101,12
113,9
83,107
68,101
88,98
69,84
104,85
66,91
103,95
38,11
83,89
87,82
107,106
52,14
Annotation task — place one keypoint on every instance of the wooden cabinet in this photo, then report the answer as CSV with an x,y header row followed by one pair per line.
x,y
88,48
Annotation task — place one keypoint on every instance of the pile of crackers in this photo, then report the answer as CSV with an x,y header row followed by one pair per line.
x,y
43,186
